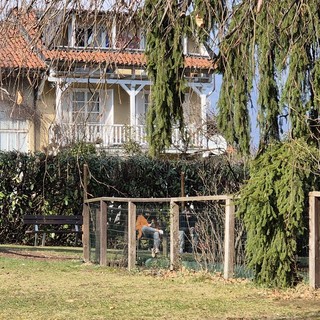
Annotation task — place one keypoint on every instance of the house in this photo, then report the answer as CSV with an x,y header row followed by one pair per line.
x,y
81,76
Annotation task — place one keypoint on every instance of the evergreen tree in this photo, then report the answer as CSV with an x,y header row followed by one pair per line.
x,y
272,205
271,47
274,45
165,65
167,22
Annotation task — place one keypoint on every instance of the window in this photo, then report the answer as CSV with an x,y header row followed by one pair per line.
x,y
91,37
81,37
85,107
13,134
130,38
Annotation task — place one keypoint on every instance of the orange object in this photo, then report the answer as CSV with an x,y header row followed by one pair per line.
x,y
141,221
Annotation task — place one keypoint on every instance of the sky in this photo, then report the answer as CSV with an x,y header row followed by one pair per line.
x,y
252,111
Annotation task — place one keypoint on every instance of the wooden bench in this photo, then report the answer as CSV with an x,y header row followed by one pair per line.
x,y
57,224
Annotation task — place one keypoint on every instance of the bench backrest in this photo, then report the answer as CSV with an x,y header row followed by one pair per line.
x,y
52,219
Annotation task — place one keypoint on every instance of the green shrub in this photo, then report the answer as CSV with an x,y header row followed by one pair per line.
x,y
46,184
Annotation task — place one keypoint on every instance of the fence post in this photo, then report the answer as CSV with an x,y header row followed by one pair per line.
x,y
228,268
174,235
314,255
182,189
97,229
132,251
85,181
85,218
103,233
86,233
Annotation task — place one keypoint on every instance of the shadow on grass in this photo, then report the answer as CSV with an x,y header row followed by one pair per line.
x,y
304,317
61,253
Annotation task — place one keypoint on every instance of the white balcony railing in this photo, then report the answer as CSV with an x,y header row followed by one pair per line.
x,y
119,134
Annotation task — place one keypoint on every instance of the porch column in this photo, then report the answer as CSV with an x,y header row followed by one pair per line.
x,y
61,87
130,88
142,40
132,94
203,91
185,45
58,101
204,108
72,31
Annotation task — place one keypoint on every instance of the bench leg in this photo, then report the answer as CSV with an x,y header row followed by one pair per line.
x,y
43,239
36,239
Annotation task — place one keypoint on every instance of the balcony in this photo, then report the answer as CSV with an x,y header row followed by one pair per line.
x,y
117,135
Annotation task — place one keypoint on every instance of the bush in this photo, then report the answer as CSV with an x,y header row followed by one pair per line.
x,y
46,184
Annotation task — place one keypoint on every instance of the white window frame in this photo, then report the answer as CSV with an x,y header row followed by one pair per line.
x,y
99,36
14,134
86,105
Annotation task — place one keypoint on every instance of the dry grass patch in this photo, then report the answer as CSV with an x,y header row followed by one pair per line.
x,y
62,287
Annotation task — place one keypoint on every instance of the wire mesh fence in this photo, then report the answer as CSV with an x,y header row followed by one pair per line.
x,y
201,234
199,242
116,234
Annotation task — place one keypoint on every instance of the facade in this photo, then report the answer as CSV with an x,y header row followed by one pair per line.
x,y
74,79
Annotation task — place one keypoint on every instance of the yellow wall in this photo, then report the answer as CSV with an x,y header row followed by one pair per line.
x,y
46,107
121,105
46,110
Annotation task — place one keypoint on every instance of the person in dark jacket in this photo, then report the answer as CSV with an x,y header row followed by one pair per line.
x,y
187,228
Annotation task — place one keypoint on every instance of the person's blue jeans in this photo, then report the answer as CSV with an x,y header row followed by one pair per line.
x,y
154,233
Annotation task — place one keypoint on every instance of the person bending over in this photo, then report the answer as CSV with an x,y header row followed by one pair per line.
x,y
145,228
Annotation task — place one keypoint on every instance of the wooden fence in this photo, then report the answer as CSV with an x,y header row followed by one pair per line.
x,y
229,245
314,239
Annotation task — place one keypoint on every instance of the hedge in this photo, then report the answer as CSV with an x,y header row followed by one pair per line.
x,y
53,184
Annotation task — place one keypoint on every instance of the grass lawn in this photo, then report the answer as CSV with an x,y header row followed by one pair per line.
x,y
54,283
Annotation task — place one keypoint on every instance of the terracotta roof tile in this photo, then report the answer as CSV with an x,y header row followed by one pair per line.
x,y
120,58
136,59
200,63
15,52
17,49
